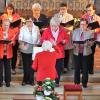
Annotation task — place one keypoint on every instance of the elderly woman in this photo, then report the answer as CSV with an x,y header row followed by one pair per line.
x,y
37,16
82,41
6,52
46,67
56,33
29,35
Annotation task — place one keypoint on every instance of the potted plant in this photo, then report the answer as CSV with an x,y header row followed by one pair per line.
x,y
38,92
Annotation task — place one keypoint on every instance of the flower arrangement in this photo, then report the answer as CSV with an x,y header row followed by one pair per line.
x,y
48,87
52,96
48,84
38,90
46,90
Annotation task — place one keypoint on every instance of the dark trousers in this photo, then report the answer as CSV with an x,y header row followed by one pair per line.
x,y
14,59
6,68
59,68
27,68
81,61
66,59
91,59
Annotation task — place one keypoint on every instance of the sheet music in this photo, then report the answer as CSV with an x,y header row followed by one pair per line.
x,y
37,50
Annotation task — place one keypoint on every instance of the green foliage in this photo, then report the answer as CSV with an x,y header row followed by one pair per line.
x,y
48,84
38,90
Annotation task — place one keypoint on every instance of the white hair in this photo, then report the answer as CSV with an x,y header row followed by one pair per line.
x,y
36,5
59,16
47,45
55,21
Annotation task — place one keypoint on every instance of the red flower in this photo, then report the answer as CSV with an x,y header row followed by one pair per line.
x,y
39,88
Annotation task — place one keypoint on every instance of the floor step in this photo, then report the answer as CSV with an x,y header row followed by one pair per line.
x,y
68,77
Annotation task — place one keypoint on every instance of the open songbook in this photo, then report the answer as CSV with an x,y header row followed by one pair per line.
x,y
94,25
15,23
5,41
82,42
41,24
69,23
37,50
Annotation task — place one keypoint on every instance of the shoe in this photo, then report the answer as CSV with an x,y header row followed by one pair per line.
x,y
77,83
7,84
23,83
84,85
13,71
91,72
1,84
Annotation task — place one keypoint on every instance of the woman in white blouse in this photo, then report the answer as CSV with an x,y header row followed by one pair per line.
x,y
29,35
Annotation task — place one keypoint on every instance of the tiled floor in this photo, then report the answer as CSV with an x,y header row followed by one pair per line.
x,y
91,93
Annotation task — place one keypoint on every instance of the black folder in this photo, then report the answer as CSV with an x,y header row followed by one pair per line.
x,y
82,42
70,23
94,25
5,41
79,42
15,23
41,24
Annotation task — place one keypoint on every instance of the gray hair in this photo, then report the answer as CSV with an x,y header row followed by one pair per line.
x,y
36,5
47,45
55,21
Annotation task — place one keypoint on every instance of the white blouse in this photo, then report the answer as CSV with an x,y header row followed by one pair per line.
x,y
27,36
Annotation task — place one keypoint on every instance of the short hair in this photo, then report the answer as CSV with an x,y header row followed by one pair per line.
x,y
83,19
10,5
36,5
91,5
63,5
47,45
55,21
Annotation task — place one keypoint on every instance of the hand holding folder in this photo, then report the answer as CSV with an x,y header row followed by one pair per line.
x,y
94,25
69,23
5,41
15,23
41,24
